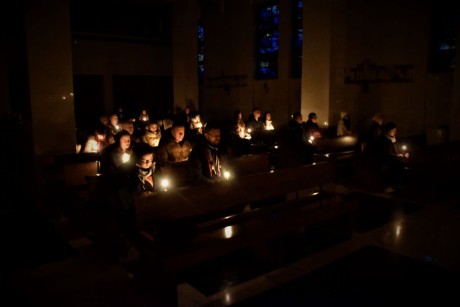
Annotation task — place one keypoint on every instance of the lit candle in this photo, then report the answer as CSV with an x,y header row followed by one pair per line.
x,y
125,157
164,184
312,138
226,174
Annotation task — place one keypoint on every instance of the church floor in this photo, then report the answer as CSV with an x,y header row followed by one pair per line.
x,y
403,248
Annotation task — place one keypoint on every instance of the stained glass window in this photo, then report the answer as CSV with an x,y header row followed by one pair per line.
x,y
200,50
267,42
297,34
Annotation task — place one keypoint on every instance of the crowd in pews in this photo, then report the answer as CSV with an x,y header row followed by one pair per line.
x,y
173,140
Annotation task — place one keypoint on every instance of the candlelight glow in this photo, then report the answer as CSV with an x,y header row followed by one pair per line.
x,y
228,232
312,138
249,130
404,147
164,183
398,230
326,124
125,157
226,174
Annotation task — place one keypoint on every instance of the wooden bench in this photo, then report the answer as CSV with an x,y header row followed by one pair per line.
x,y
210,221
341,151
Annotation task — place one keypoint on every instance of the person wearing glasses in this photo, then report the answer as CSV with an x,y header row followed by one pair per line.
x,y
205,161
144,177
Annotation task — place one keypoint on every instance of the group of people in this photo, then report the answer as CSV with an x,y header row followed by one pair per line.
x,y
124,145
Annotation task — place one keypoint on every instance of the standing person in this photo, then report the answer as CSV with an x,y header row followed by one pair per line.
x,y
344,124
205,162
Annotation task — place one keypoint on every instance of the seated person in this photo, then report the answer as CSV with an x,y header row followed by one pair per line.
x,y
128,125
240,138
115,158
390,158
113,124
255,122
145,176
98,140
311,126
173,147
344,124
297,139
205,162
268,122
152,134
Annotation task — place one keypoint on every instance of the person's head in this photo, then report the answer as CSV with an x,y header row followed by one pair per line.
x,y
256,112
390,129
113,119
187,110
297,116
178,132
212,133
312,117
238,115
152,127
123,139
100,133
195,116
104,120
268,116
144,156
128,126
378,118
344,115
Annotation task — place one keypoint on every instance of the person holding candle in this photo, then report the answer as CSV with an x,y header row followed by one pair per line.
x,y
205,162
174,147
97,141
390,157
115,158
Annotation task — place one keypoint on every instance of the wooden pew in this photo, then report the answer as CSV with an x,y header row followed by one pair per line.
x,y
341,151
215,220
250,164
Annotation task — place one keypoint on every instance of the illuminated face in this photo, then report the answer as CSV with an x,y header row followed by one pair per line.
x,y
268,116
178,133
392,132
125,142
213,136
299,119
100,137
114,120
240,115
146,161
153,127
314,119
256,114
129,127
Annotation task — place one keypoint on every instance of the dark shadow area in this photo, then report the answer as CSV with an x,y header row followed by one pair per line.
x,y
369,277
